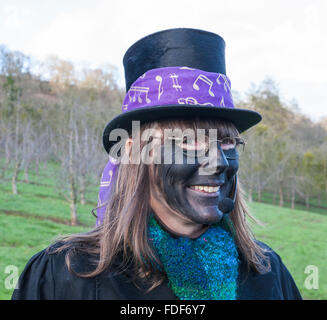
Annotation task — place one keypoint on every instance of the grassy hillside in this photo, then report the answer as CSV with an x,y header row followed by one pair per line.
x,y
31,220
299,237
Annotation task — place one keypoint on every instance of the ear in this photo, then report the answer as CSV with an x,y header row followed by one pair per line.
x,y
128,148
151,138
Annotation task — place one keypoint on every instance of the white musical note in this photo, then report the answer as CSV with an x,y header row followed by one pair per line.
x,y
222,102
188,100
206,80
191,100
107,183
160,92
125,106
140,90
176,85
227,87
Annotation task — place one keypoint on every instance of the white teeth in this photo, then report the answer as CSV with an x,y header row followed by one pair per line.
x,y
208,189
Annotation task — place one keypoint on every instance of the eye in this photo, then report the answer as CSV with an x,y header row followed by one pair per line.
x,y
228,143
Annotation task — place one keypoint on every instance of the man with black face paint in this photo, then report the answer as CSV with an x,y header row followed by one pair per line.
x,y
174,228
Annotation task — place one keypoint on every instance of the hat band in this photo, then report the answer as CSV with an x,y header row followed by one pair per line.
x,y
179,85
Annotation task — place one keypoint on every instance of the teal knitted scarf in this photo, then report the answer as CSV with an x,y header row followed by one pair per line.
x,y
205,268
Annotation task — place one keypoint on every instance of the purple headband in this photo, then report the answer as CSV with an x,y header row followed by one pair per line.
x,y
167,86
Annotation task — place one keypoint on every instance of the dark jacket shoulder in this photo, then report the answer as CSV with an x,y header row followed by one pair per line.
x,y
274,284
46,276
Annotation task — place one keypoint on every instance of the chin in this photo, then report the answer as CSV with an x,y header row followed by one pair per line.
x,y
207,216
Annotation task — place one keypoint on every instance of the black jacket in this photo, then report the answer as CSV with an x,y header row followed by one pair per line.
x,y
46,277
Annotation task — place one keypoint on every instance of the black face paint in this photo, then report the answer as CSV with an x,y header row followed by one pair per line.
x,y
177,180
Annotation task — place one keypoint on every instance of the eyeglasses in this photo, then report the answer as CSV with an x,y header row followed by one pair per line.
x,y
193,147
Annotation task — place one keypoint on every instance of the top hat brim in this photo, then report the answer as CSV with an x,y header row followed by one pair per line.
x,y
242,119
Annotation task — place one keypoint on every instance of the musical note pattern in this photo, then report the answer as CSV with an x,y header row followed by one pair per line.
x,y
205,80
160,90
107,182
192,100
222,102
139,91
226,83
176,85
179,85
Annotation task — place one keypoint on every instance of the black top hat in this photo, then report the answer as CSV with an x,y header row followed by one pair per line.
x,y
200,60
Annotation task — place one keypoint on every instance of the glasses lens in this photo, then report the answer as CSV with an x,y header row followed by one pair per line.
x,y
195,146
200,145
228,143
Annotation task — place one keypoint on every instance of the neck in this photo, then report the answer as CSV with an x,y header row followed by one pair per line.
x,y
185,232
179,227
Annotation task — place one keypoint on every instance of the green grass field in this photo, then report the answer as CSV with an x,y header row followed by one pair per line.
x,y
31,220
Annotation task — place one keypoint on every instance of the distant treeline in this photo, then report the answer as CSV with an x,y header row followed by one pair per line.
x,y
54,111
286,153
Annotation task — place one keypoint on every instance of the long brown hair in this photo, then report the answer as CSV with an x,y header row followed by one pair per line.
x,y
124,229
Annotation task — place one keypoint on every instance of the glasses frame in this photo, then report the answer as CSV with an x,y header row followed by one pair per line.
x,y
178,141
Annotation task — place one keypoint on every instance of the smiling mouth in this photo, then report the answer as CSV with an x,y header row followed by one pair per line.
x,y
205,189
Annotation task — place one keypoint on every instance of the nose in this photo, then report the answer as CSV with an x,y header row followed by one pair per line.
x,y
215,163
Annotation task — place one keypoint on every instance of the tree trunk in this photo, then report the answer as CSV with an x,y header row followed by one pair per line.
x,y
37,165
72,198
259,194
307,204
281,198
82,190
72,187
293,199
14,178
83,173
17,150
8,156
250,195
72,203
26,177
7,151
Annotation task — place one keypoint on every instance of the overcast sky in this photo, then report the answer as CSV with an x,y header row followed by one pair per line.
x,y
283,39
